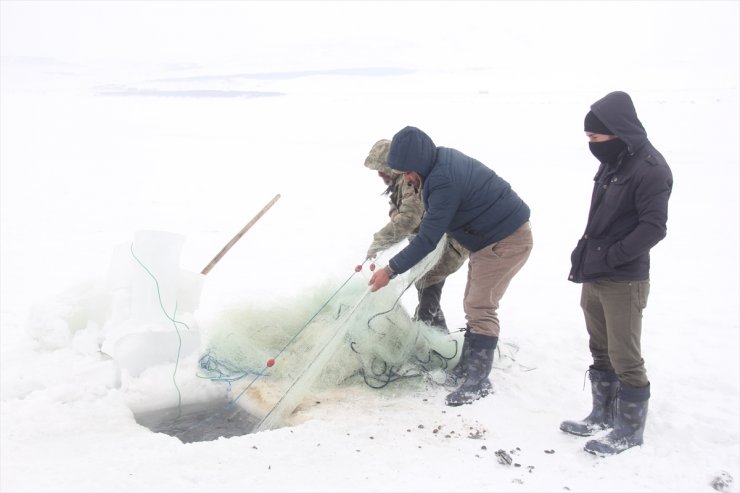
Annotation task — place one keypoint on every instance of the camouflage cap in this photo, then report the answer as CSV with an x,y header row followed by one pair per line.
x,y
377,158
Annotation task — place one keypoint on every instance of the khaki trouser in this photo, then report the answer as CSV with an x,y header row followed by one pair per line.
x,y
613,312
490,270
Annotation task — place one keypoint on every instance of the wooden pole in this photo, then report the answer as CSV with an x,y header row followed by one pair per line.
x,y
238,236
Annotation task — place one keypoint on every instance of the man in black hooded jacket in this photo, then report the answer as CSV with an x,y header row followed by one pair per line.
x,y
628,215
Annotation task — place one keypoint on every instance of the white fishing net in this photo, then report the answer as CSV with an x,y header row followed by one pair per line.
x,y
332,336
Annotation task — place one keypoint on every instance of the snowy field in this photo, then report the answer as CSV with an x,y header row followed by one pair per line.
x,y
186,118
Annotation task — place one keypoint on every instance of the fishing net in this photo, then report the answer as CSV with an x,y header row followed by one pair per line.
x,y
327,338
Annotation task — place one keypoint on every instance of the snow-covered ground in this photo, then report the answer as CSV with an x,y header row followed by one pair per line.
x,y
121,118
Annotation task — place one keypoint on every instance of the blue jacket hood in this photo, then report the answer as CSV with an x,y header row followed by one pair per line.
x,y
462,197
412,150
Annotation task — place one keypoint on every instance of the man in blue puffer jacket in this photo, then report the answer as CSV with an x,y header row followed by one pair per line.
x,y
627,217
471,203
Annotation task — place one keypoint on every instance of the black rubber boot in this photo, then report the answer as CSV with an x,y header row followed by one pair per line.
x,y
429,310
456,376
476,367
604,384
629,422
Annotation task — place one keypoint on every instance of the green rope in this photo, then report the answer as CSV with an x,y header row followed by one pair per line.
x,y
174,324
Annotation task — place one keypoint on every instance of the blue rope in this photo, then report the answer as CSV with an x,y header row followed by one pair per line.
x,y
220,370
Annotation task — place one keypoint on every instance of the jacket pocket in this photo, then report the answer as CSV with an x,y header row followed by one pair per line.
x,y
594,258
456,247
577,255
619,191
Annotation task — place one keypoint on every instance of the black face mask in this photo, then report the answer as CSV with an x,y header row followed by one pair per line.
x,y
608,151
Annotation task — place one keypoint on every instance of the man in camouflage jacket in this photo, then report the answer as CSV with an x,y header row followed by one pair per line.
x,y
406,212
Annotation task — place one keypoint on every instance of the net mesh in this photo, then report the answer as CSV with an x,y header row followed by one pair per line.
x,y
357,336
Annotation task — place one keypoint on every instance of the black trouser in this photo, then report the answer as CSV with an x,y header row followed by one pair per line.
x,y
429,309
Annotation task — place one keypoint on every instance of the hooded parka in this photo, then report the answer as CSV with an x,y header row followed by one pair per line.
x,y
629,203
